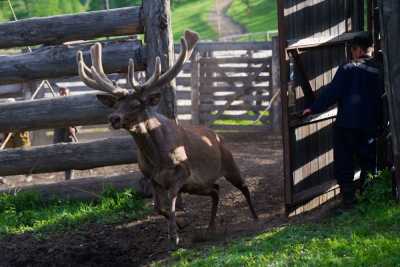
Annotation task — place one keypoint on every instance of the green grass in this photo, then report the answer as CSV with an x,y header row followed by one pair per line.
x,y
259,16
27,212
367,236
193,14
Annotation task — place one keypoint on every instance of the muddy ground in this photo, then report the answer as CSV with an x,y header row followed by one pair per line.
x,y
138,243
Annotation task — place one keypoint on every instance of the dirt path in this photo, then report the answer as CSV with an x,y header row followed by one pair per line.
x,y
222,23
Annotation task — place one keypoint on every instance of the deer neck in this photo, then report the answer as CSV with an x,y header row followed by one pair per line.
x,y
155,137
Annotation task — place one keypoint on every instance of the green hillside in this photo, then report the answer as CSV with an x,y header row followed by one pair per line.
x,y
255,15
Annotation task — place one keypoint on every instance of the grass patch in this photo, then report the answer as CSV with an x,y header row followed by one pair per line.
x,y
27,212
366,236
193,14
256,16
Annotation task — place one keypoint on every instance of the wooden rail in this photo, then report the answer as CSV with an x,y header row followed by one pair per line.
x,y
51,113
82,26
60,61
66,156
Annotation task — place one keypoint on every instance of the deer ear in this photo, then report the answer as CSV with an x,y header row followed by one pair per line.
x,y
107,100
153,99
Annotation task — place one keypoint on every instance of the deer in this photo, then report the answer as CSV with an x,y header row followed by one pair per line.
x,y
176,159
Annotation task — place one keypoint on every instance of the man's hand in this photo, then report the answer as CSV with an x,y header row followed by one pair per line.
x,y
307,112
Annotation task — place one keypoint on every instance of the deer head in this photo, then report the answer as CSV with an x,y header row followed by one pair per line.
x,y
130,104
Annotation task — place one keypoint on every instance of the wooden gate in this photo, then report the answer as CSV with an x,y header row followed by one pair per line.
x,y
313,37
234,86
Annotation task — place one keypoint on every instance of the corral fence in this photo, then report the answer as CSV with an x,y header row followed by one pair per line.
x,y
224,86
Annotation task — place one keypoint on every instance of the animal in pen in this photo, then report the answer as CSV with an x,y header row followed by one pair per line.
x,y
177,159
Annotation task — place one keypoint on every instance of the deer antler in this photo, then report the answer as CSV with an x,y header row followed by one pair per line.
x,y
95,77
188,42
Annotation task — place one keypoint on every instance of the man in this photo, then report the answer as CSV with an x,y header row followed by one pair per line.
x,y
65,135
357,89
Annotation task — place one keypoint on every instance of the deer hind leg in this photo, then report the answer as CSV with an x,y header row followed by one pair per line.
x,y
232,174
214,194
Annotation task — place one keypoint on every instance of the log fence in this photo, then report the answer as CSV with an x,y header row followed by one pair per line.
x,y
221,81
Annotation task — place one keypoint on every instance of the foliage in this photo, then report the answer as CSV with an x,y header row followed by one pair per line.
x,y
39,8
255,15
193,14
366,236
28,212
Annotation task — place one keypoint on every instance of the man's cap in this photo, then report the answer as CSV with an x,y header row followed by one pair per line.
x,y
364,40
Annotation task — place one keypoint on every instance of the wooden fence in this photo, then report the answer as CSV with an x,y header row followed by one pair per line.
x,y
222,83
225,85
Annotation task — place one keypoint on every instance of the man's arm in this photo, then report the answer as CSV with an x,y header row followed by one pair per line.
x,y
330,94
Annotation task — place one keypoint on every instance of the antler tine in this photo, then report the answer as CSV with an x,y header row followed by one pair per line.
x,y
82,69
187,45
97,60
156,75
131,76
97,79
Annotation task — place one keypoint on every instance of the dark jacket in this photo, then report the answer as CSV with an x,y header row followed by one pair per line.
x,y
357,88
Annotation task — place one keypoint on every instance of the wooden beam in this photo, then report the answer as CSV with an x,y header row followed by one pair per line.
x,y
316,42
51,113
59,29
390,25
159,42
60,61
66,156
84,189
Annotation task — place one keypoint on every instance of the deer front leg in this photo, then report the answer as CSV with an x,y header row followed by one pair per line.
x,y
181,173
159,194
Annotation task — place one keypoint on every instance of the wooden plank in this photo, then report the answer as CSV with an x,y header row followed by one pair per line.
x,y
276,109
314,42
195,92
227,79
229,46
60,61
283,33
51,113
62,28
66,156
208,89
241,107
210,117
249,98
237,60
235,69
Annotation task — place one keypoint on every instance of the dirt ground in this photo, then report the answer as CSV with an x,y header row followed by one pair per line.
x,y
138,243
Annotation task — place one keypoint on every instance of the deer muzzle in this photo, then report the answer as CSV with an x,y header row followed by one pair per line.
x,y
115,121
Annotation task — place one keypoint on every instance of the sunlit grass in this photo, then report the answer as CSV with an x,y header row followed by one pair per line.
x,y
27,212
366,236
258,16
193,14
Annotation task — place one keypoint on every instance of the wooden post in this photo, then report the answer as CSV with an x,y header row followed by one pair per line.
x,y
195,92
390,25
159,42
276,109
